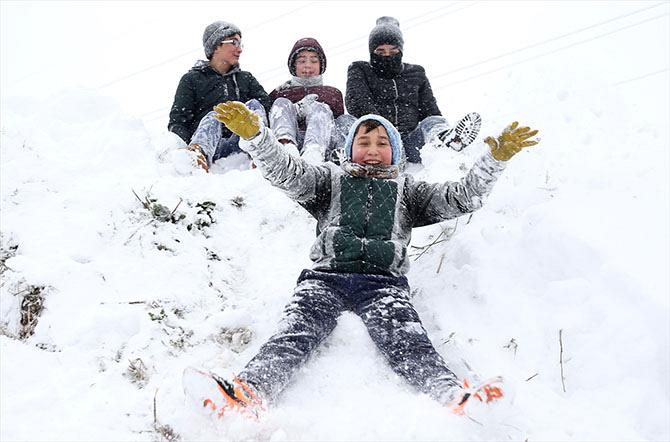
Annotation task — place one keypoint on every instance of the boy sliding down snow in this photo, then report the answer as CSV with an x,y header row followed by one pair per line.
x,y
365,211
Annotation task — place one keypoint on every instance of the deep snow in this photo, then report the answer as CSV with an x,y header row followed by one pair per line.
x,y
574,237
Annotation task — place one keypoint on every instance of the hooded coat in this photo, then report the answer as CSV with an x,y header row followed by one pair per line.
x,y
404,99
202,88
364,224
295,92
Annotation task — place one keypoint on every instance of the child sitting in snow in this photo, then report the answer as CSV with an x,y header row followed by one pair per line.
x,y
365,209
304,111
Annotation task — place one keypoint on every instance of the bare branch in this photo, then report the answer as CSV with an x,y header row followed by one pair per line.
x,y
124,302
155,418
139,199
560,341
444,235
439,266
175,207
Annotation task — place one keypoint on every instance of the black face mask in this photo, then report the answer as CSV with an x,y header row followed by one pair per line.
x,y
386,66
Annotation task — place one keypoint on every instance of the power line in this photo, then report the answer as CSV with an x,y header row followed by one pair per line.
x,y
548,40
439,87
332,50
355,40
169,60
580,93
641,77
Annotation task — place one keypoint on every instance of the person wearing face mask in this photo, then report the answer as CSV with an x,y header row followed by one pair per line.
x,y
304,111
210,82
401,93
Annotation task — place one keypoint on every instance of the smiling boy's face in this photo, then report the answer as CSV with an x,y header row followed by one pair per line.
x,y
307,64
372,148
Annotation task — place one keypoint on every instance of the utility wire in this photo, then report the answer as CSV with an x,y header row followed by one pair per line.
x,y
443,86
332,51
641,77
282,68
169,60
544,42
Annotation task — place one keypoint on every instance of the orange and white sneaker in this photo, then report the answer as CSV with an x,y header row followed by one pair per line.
x,y
218,396
484,391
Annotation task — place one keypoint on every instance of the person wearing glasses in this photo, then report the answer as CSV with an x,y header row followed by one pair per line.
x,y
210,82
401,93
305,111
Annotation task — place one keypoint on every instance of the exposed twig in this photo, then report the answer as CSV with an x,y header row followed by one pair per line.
x,y
475,421
155,418
446,232
560,341
439,266
512,345
532,377
124,302
22,291
137,230
175,207
144,204
451,335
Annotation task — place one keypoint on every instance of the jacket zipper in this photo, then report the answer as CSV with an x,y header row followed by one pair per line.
x,y
368,205
395,102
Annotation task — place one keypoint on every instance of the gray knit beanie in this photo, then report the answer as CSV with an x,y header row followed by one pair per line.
x,y
386,31
215,33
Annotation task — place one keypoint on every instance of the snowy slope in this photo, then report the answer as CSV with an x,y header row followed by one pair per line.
x,y
574,239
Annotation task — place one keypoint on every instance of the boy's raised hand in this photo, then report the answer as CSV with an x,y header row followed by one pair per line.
x,y
238,118
511,141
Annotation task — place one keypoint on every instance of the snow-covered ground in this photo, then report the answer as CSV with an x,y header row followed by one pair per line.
x,y
560,283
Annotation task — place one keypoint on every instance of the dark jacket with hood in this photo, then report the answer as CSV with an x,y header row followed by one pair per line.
x,y
397,91
202,88
295,91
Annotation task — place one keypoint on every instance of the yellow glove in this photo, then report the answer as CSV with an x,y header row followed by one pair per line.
x,y
511,141
238,118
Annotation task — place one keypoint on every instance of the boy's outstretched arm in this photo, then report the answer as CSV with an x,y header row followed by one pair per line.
x,y
431,203
300,180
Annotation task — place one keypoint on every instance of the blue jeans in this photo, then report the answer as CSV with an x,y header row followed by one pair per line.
x,y
209,134
382,303
424,131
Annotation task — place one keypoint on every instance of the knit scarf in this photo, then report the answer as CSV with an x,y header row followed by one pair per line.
x,y
363,171
316,80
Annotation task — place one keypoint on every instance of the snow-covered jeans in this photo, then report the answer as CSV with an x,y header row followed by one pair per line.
x,y
425,131
319,125
382,302
209,134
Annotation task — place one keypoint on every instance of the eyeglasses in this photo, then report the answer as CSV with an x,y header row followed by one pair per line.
x,y
385,52
234,42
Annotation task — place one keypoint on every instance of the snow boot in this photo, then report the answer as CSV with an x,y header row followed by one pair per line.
x,y
218,396
463,134
484,391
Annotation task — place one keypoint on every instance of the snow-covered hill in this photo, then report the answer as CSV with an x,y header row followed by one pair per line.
x,y
133,271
